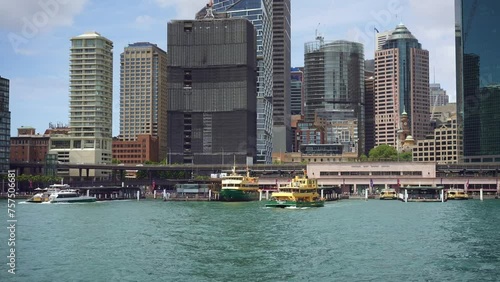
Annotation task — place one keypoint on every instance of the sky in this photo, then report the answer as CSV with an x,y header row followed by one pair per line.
x,y
35,40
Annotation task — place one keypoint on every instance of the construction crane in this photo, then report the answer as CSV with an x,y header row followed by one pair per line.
x,y
210,10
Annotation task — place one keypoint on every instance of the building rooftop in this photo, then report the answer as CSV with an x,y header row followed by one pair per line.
x,y
401,32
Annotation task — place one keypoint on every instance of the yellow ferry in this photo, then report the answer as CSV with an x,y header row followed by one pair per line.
x,y
300,192
457,194
388,194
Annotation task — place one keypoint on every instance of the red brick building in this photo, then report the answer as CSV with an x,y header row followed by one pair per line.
x,y
28,147
145,148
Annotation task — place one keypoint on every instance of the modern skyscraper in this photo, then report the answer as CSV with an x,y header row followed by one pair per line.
x,y
211,91
91,104
401,85
143,93
4,125
297,91
369,114
259,13
478,78
281,17
334,90
381,38
438,96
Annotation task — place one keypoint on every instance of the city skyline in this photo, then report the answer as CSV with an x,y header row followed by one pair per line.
x,y
44,46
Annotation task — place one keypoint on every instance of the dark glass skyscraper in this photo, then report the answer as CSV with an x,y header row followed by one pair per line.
x,y
297,91
259,13
334,91
211,91
478,78
4,125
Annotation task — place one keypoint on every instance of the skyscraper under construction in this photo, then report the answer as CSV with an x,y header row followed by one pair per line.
x,y
212,77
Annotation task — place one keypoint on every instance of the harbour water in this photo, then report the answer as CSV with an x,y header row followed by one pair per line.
x,y
349,240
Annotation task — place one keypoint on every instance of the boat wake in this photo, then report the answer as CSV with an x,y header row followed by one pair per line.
x,y
296,208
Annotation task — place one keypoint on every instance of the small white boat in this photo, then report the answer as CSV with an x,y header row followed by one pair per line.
x,y
70,196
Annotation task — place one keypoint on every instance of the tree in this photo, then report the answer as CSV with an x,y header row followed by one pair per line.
x,y
406,156
383,152
116,161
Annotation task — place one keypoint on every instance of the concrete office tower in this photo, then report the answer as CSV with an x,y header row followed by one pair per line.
x,y
4,126
281,76
438,96
297,91
259,13
478,78
401,85
211,91
381,38
91,104
334,85
143,93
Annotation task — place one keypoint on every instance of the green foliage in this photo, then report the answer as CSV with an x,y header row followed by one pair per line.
x,y
202,177
387,153
116,161
383,152
363,158
406,156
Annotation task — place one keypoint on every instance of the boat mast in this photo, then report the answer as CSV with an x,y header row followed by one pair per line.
x,y
234,164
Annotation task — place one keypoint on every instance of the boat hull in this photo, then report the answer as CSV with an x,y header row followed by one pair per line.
x,y
388,198
37,200
74,200
294,204
234,195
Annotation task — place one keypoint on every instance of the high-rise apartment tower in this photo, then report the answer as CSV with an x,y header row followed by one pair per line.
x,y
143,93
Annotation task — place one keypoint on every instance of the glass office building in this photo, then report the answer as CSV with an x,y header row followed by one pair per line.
x,y
4,125
478,78
259,13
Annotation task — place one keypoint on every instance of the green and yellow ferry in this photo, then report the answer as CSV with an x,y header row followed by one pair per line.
x,y
301,192
239,188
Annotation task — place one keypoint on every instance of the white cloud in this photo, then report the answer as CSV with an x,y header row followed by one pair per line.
x,y
185,9
25,20
144,21
38,16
